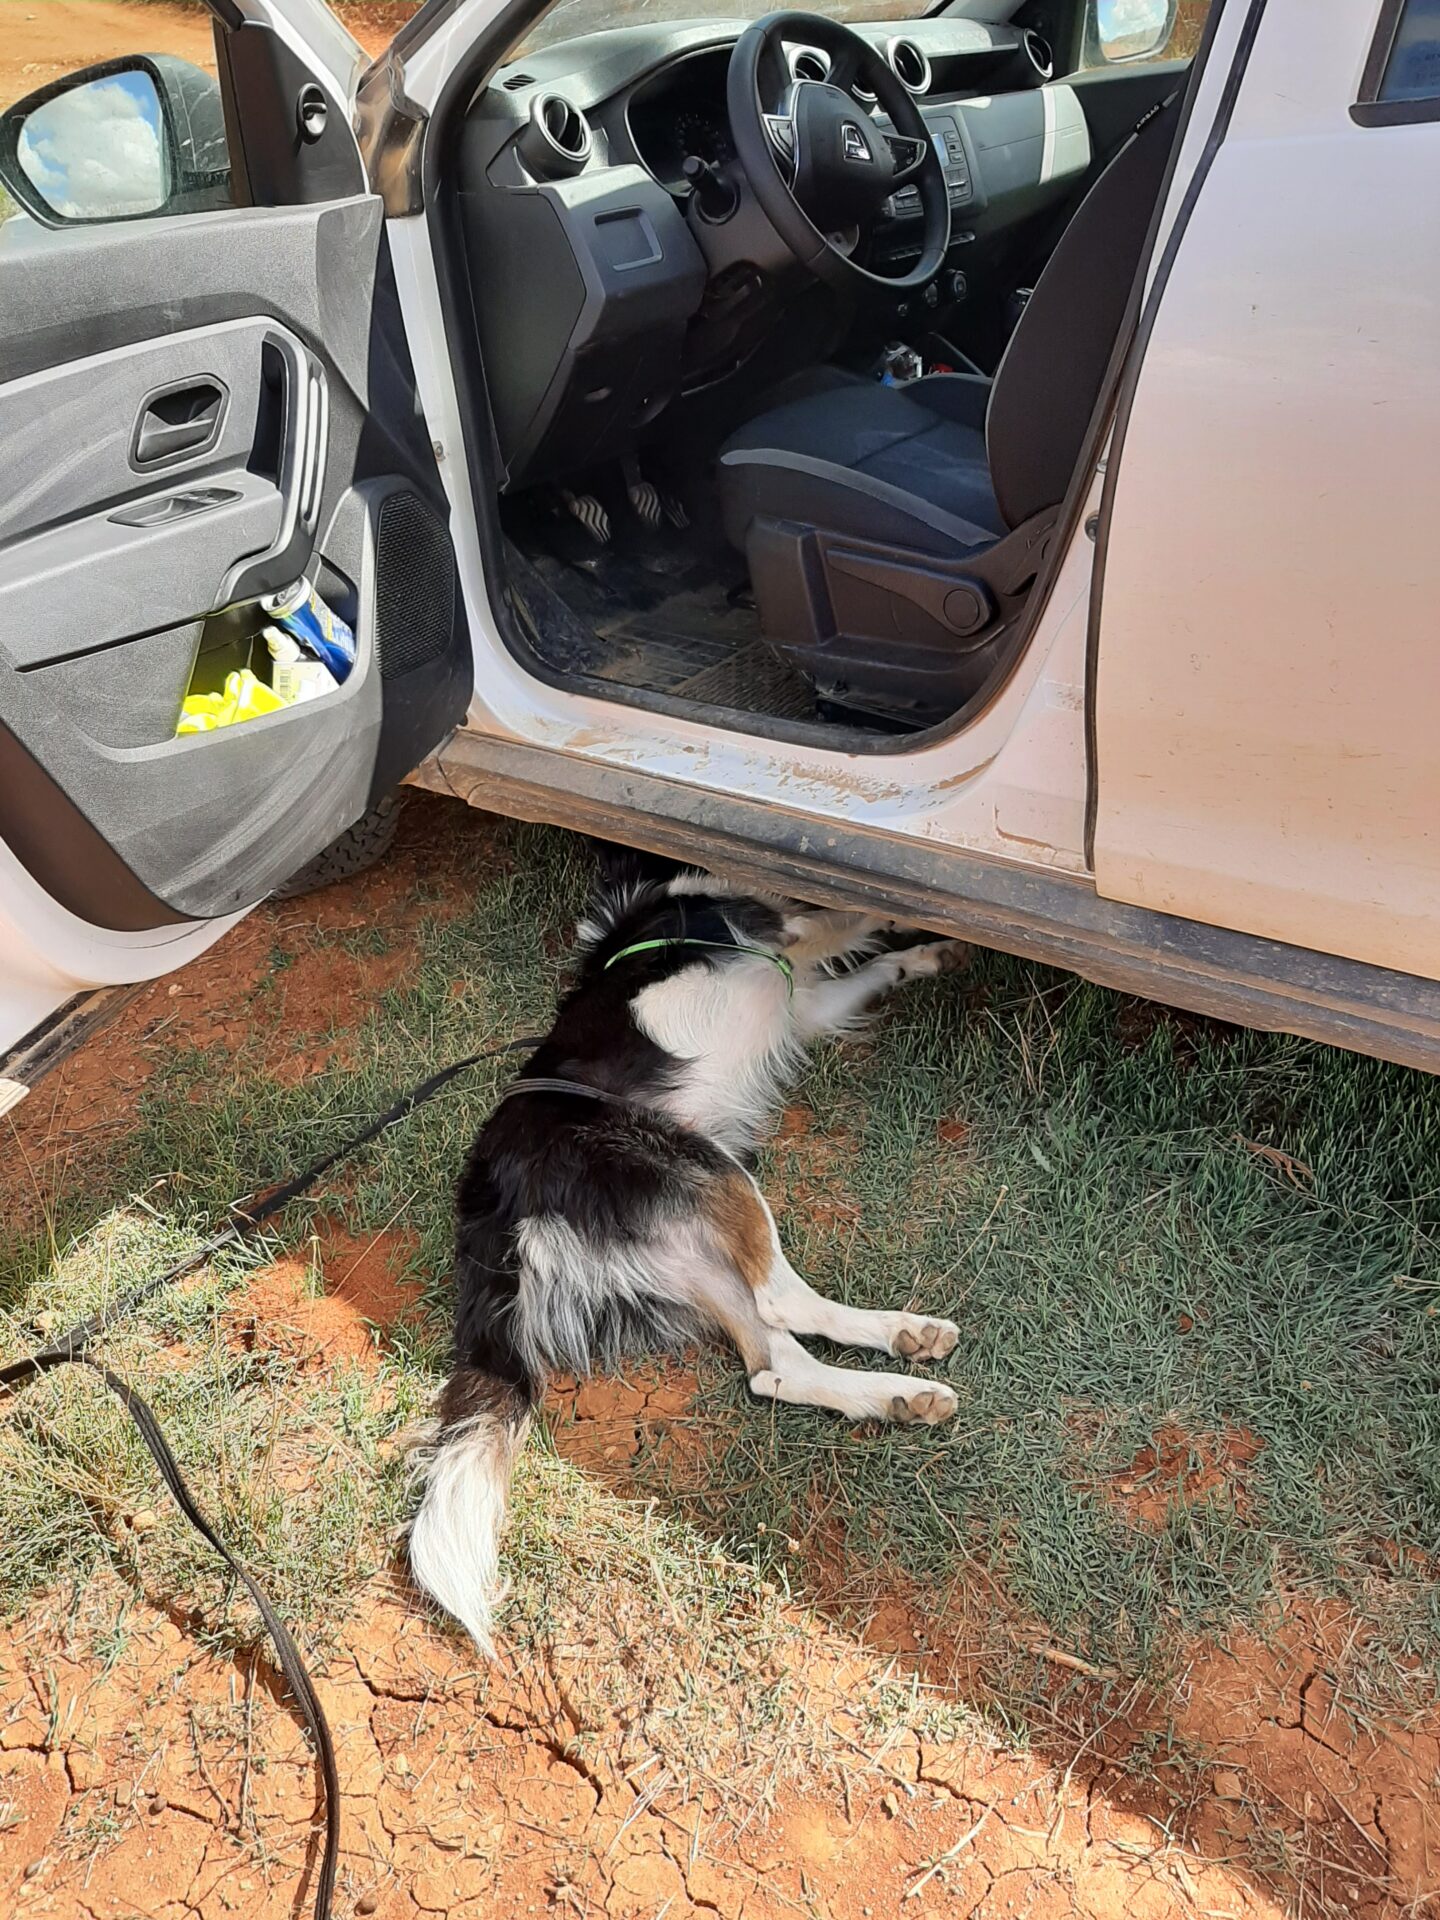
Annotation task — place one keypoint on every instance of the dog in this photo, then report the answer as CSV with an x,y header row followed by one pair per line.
x,y
607,1208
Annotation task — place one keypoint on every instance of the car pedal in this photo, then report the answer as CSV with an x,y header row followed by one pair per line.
x,y
585,508
675,510
646,500
647,503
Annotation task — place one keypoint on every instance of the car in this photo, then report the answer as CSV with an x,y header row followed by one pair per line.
x,y
977,467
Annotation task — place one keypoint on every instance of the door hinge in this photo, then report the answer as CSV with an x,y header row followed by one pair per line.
x,y
390,131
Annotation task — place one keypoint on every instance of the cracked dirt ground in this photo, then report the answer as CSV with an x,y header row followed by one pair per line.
x,y
457,1805
174,1785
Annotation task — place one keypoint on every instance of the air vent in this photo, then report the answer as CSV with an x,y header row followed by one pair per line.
x,y
809,63
1037,49
517,80
910,66
555,142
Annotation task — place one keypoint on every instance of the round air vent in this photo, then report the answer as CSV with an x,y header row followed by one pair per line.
x,y
809,63
555,142
910,66
1037,50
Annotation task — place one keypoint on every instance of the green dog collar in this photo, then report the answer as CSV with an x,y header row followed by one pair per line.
x,y
721,946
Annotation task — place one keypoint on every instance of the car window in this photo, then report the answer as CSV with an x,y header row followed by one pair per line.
x,y
111,116
569,18
1412,64
1135,32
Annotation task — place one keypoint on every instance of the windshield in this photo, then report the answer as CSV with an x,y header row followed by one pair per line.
x,y
569,18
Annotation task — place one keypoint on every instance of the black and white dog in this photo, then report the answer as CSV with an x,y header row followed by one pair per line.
x,y
606,1208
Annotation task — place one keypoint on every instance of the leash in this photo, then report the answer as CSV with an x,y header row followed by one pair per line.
x,y
540,1084
70,1350
247,1217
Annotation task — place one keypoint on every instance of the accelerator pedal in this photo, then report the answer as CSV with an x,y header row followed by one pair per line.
x,y
645,499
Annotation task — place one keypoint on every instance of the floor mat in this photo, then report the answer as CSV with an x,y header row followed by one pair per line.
x,y
653,611
697,646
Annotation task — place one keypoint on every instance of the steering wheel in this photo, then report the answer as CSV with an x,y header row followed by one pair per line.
x,y
819,165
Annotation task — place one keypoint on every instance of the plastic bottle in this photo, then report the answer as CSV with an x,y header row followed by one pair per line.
x,y
296,675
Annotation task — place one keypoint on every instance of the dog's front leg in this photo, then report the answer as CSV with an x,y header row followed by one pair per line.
x,y
836,1006
816,935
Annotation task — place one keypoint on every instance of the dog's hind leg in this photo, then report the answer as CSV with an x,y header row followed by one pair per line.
x,y
781,1369
788,1303
762,1303
838,1005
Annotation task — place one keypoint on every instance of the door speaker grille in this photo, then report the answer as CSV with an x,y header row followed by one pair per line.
x,y
415,585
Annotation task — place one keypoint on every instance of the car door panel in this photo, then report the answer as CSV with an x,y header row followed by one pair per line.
x,y
1265,681
124,582
1115,99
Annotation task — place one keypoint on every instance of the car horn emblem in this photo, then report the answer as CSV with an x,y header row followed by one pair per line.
x,y
852,142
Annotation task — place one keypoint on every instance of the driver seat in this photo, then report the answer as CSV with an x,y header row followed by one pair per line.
x,y
893,533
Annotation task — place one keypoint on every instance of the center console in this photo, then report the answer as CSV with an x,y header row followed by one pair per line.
x,y
1006,155
947,132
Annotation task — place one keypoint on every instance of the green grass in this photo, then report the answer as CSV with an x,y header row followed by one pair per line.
x,y
1119,1258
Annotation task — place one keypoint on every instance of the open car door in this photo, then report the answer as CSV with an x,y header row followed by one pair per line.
x,y
205,395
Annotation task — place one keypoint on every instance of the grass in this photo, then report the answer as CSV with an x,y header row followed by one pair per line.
x,y
1141,1223
296,1464
1126,1252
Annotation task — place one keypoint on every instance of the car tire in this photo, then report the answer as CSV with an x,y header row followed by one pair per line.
x,y
360,846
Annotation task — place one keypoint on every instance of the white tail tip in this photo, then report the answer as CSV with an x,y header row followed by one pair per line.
x,y
455,1539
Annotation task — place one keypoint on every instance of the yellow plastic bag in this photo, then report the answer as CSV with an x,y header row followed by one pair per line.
x,y
244,698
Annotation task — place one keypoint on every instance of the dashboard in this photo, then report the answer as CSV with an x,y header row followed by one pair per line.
x,y
574,188
684,117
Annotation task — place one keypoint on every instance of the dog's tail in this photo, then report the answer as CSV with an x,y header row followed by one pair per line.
x,y
455,1538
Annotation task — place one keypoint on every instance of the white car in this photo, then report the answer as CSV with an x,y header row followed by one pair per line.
x,y
976,466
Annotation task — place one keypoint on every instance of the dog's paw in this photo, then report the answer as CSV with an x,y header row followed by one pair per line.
x,y
922,1406
917,1339
932,957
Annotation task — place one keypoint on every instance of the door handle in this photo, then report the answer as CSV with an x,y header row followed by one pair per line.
x,y
184,419
300,477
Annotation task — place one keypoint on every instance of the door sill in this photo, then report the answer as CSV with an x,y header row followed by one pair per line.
x,y
63,1033
1055,918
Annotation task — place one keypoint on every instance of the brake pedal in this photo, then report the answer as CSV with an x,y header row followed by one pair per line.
x,y
585,508
647,503
644,499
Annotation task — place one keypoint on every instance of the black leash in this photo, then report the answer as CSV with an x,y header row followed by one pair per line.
x,y
70,1351
539,1084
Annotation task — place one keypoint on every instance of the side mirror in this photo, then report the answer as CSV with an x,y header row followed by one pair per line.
x,y
141,135
1132,29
